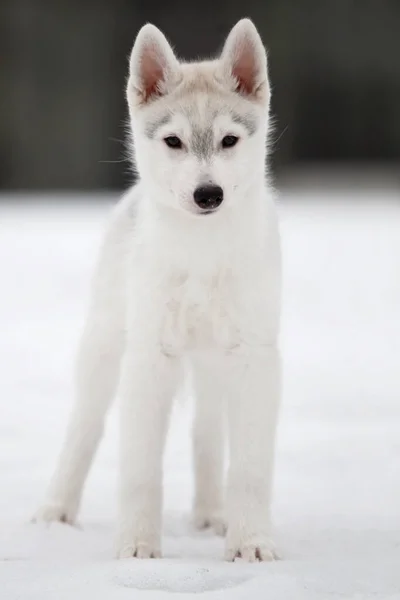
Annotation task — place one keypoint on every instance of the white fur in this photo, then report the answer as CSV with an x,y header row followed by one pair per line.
x,y
174,289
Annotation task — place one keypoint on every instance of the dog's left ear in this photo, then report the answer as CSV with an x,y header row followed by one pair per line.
x,y
244,61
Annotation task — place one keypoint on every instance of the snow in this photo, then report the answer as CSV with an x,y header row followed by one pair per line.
x,y
337,489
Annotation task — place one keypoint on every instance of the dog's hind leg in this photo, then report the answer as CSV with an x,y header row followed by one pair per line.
x,y
97,375
208,450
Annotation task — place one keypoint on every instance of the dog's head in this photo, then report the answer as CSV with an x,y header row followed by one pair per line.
x,y
199,129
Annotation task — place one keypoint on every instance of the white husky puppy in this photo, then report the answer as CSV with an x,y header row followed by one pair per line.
x,y
189,276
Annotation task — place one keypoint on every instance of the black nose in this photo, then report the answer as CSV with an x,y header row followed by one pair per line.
x,y
208,197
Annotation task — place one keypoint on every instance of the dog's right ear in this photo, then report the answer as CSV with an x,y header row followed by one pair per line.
x,y
153,66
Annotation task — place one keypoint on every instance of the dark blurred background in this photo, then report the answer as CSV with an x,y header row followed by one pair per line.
x,y
334,65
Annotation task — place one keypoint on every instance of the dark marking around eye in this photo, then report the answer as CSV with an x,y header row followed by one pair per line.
x,y
247,121
153,126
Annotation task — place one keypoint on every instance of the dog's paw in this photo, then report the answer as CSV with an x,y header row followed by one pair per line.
x,y
252,549
139,550
203,519
133,545
53,512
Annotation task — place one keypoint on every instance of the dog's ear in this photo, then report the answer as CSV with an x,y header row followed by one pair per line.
x,y
244,61
153,66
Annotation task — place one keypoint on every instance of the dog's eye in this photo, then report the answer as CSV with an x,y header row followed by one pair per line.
x,y
173,141
229,141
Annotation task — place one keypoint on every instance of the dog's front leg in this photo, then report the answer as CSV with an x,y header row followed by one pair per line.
x,y
148,384
254,387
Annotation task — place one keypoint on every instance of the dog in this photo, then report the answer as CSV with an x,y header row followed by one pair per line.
x,y
188,280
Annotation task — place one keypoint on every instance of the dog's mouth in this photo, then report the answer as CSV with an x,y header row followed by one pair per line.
x,y
203,212
208,211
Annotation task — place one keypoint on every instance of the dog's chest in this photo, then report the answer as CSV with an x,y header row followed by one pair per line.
x,y
201,312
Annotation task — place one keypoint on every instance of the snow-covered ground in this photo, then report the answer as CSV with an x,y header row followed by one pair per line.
x,y
337,491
